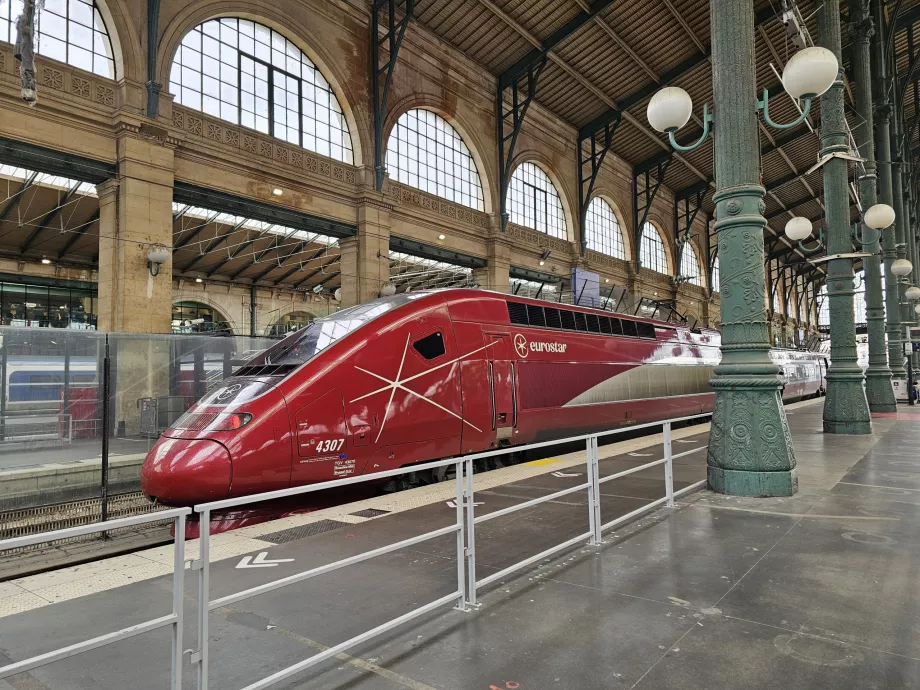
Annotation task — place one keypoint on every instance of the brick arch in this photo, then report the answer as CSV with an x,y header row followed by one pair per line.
x,y
298,33
465,128
204,299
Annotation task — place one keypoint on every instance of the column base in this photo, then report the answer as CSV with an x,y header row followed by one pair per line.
x,y
880,393
846,410
754,484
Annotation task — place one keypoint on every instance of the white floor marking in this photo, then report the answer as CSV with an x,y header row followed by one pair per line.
x,y
453,504
878,486
795,515
566,474
261,561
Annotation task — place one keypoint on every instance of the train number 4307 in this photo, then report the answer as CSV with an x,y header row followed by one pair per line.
x,y
329,445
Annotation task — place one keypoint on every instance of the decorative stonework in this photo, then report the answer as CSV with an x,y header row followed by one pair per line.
x,y
539,239
402,194
80,87
245,142
105,94
53,78
606,260
193,125
2,61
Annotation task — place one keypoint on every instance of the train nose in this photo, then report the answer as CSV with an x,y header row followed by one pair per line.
x,y
186,471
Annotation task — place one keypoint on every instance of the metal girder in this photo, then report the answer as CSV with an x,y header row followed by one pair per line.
x,y
49,217
535,276
321,269
687,204
185,193
197,231
14,200
393,36
427,251
153,39
507,141
22,155
240,247
643,196
214,244
78,234
301,264
273,245
298,248
593,161
522,66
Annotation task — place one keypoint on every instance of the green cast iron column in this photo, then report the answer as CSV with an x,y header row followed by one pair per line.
x,y
846,410
878,375
903,221
889,234
750,448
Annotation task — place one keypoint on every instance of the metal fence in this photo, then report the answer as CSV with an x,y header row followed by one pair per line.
x,y
173,619
463,527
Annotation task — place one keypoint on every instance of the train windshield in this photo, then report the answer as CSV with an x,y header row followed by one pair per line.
x,y
310,341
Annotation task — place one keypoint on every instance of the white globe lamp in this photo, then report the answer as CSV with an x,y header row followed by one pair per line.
x,y
387,290
917,308
901,267
798,229
912,293
669,109
879,216
810,72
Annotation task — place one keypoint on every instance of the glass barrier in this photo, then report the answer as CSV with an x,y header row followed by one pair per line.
x,y
52,406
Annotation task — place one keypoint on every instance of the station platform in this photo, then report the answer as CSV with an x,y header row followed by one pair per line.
x,y
820,590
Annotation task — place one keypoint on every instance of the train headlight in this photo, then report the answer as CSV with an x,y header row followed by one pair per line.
x,y
232,421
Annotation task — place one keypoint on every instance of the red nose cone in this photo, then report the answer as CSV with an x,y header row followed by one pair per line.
x,y
184,472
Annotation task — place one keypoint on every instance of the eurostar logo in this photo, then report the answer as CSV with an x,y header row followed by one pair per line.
x,y
399,383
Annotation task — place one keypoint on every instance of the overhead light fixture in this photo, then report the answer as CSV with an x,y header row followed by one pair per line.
x,y
46,261
198,280
442,237
798,229
277,191
879,216
901,267
542,262
912,293
606,280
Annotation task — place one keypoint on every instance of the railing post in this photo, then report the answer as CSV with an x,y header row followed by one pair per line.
x,y
461,534
592,495
597,491
178,601
470,536
668,466
204,543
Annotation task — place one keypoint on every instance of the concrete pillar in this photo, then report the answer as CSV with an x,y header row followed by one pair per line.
x,y
750,448
495,276
365,262
846,410
135,212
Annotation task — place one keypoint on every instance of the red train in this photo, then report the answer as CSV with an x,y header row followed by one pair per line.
x,y
427,375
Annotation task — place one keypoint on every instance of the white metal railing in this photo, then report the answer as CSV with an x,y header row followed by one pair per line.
x,y
463,527
174,619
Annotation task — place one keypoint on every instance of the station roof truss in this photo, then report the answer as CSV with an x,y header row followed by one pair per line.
x,y
603,60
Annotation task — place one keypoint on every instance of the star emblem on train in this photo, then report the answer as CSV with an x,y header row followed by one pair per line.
x,y
399,383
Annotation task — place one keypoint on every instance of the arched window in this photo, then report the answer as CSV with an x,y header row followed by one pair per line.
x,y
689,265
716,284
534,202
195,317
426,152
824,307
602,229
248,74
651,250
70,31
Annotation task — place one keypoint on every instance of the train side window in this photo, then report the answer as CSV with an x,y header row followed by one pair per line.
x,y
593,324
553,319
517,313
581,324
605,324
616,327
646,330
535,315
431,346
629,328
568,319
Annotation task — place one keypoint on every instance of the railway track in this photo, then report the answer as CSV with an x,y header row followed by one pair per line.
x,y
29,560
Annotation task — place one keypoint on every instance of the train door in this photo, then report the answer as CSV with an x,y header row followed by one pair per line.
x,y
502,381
